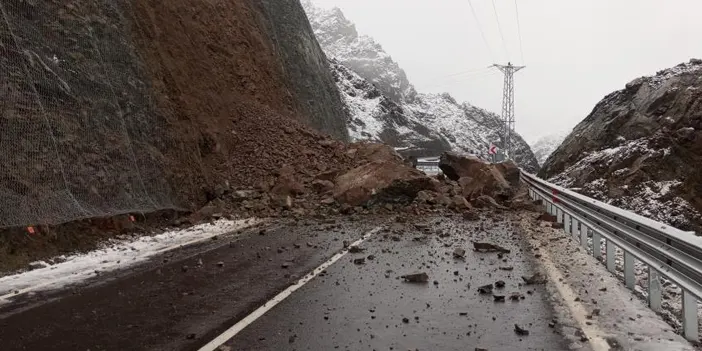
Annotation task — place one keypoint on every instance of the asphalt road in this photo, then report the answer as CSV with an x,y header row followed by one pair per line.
x,y
369,307
185,299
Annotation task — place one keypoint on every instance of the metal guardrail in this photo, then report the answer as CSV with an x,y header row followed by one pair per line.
x,y
667,251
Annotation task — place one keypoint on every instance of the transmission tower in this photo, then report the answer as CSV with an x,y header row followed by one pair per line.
x,y
508,105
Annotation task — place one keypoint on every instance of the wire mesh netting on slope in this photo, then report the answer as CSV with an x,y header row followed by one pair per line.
x,y
78,134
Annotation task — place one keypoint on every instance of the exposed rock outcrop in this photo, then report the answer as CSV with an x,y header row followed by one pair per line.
x,y
640,148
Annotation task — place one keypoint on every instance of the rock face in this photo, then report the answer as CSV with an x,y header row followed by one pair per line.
x,y
110,106
640,148
385,107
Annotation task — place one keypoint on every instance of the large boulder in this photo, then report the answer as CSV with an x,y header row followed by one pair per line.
x,y
477,177
388,180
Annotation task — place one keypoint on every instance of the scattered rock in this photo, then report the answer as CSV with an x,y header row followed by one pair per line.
x,y
516,296
535,279
405,320
498,298
520,331
285,265
220,264
459,253
506,268
356,249
416,277
557,225
488,247
500,284
191,336
485,289
360,260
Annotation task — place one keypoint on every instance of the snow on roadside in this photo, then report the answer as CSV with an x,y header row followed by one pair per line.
x,y
113,255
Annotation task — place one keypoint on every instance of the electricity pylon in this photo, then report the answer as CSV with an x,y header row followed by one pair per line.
x,y
508,106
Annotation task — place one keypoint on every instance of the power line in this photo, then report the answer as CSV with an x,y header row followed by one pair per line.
x,y
499,27
519,30
480,29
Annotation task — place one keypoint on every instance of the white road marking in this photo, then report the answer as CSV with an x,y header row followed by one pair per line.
x,y
253,316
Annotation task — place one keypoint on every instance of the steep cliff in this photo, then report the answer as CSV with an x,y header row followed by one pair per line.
x,y
133,106
641,147
384,106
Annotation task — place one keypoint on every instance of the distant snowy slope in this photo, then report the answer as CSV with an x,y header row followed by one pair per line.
x,y
384,106
543,147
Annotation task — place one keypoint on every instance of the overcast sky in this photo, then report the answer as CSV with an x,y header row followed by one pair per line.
x,y
576,51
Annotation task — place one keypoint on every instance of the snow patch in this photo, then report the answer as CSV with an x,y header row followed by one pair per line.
x,y
115,254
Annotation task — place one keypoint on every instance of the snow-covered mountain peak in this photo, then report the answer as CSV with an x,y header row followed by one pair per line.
x,y
340,40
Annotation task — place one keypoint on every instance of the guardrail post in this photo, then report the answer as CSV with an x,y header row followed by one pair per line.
x,y
575,227
654,289
596,244
690,324
629,278
559,215
611,265
567,224
583,236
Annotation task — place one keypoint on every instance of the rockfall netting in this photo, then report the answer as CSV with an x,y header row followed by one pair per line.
x,y
79,136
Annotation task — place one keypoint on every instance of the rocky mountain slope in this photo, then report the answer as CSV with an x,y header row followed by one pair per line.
x,y
116,107
543,147
384,106
641,148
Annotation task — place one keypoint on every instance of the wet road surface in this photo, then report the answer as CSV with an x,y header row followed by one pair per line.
x,y
178,301
367,306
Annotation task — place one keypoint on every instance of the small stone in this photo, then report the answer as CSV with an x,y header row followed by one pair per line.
x,y
459,253
485,289
462,313
220,264
520,331
371,257
516,296
596,312
285,265
184,268
552,324
537,278
603,289
405,320
499,298
455,272
361,260
416,277
500,284
191,336
436,282
506,268
356,249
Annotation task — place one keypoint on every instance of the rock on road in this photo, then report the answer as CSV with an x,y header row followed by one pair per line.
x,y
472,296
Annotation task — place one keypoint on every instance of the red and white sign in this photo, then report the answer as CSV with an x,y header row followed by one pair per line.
x,y
493,149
